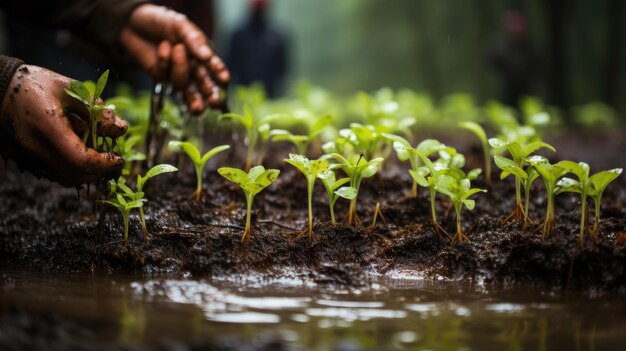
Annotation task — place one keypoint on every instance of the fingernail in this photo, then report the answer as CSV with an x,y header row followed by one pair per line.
x,y
204,51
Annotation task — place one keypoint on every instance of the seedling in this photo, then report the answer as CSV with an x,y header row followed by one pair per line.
x,y
251,124
124,207
482,136
302,142
526,177
89,94
426,147
459,191
335,189
126,148
550,174
311,170
581,186
357,168
136,198
429,176
519,159
599,182
199,161
257,179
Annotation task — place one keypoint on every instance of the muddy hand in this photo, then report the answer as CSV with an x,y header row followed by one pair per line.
x,y
171,48
39,128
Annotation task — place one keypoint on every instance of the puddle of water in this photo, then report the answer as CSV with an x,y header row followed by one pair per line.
x,y
404,314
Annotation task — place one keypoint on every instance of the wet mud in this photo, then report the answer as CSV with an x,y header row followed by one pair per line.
x,y
46,227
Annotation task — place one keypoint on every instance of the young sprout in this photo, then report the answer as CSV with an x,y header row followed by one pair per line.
x,y
482,136
124,207
429,176
519,156
550,174
251,124
302,141
125,147
334,190
257,179
199,161
525,176
599,182
459,191
581,186
311,170
426,147
357,168
120,188
89,94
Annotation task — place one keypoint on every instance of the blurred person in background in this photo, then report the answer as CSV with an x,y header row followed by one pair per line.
x,y
513,58
38,126
258,51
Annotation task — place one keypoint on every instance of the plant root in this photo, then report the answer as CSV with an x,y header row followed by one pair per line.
x,y
440,231
517,214
377,213
195,196
460,237
246,235
547,228
301,234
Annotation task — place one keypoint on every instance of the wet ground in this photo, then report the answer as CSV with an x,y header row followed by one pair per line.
x,y
42,311
398,285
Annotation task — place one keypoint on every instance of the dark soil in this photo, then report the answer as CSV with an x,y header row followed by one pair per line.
x,y
44,226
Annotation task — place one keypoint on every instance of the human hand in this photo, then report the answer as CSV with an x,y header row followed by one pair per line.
x,y
39,128
171,48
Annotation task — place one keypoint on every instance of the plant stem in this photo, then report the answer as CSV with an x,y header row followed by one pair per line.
x,y
246,233
596,222
459,232
143,224
332,198
310,199
526,204
93,121
126,215
198,181
583,217
549,223
518,194
433,195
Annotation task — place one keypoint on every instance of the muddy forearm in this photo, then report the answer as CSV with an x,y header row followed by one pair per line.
x,y
8,66
95,20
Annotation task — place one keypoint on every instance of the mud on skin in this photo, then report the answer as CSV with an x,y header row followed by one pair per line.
x,y
44,226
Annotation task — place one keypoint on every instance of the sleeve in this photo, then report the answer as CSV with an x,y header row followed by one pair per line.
x,y
8,66
97,20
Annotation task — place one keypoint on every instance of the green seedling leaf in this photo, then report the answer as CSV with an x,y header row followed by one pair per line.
x,y
102,81
602,179
347,192
235,175
79,89
476,129
257,179
153,172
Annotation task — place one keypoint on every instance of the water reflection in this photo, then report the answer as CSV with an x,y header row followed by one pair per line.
x,y
403,315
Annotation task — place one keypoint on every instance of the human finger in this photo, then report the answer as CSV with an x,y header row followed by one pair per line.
x,y
110,125
164,53
179,75
194,39
144,52
194,99
219,70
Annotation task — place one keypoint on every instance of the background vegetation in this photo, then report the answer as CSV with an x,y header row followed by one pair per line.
x,y
440,46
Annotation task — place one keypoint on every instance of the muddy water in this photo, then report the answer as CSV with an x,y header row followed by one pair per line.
x,y
401,312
